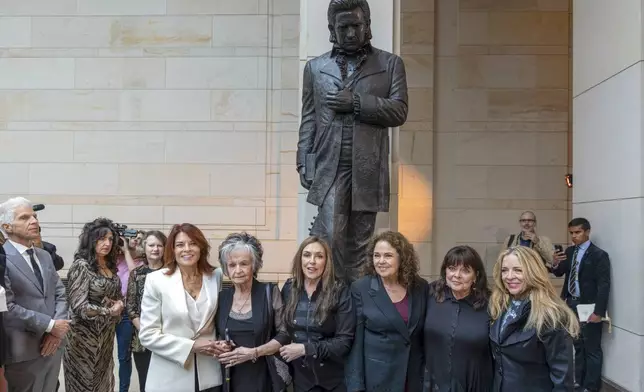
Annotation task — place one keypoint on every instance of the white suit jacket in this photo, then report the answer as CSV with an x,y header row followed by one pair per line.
x,y
167,332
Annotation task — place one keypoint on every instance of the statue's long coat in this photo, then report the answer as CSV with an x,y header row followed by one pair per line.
x,y
382,87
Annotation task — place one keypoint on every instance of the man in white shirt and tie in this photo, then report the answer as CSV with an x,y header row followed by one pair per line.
x,y
36,320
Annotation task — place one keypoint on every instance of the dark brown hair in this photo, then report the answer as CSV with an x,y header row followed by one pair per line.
x,y
408,271
197,236
90,235
328,296
466,256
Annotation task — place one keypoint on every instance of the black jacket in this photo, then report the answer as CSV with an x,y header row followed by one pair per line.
x,y
327,344
457,344
594,277
3,335
386,352
526,362
59,263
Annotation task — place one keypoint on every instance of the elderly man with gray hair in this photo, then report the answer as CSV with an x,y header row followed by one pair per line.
x,y
250,315
37,314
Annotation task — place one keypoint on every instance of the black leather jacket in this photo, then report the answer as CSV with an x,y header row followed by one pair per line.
x,y
327,344
526,362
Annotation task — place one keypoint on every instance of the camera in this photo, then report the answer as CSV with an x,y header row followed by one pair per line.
x,y
124,232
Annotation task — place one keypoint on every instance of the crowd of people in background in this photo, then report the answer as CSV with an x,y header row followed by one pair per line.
x,y
164,304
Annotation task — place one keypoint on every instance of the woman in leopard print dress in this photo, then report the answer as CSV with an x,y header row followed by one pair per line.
x,y
96,304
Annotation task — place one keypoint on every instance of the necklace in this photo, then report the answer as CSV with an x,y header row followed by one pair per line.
x,y
244,304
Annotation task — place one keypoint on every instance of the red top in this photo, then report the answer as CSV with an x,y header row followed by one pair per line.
x,y
403,308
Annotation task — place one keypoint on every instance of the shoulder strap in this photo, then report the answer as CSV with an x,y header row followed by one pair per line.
x,y
269,300
218,278
511,240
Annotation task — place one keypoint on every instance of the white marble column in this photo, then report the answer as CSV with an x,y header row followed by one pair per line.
x,y
314,41
608,164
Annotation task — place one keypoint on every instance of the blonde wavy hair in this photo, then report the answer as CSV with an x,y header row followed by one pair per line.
x,y
548,311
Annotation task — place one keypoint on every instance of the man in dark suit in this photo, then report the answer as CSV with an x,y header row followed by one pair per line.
x,y
351,96
587,271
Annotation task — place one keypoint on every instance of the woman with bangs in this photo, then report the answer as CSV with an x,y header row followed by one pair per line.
x,y
457,326
532,328
390,301
178,317
320,320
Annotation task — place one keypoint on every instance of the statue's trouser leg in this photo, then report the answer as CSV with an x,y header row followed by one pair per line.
x,y
360,230
332,221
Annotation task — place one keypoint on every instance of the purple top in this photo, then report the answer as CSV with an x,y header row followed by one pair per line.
x,y
124,272
403,308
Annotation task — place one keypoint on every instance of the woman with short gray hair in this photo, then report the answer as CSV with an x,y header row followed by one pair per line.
x,y
249,314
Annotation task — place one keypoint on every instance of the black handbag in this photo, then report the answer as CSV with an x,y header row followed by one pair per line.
x,y
280,371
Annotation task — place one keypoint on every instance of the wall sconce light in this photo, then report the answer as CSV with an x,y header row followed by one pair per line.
x,y
569,180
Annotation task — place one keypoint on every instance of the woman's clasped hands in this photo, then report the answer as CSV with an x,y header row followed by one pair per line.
x,y
213,348
238,356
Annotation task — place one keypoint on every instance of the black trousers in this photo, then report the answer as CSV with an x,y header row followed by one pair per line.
x,y
347,232
142,363
589,356
339,388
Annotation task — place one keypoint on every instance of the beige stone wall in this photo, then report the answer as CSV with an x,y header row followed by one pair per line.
x,y
153,112
414,163
501,118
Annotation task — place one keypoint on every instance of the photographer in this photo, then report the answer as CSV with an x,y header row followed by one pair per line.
x,y
59,263
130,257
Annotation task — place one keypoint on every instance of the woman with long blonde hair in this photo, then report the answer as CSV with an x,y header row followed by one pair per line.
x,y
532,328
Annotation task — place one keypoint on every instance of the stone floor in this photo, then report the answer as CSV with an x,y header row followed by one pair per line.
x,y
134,383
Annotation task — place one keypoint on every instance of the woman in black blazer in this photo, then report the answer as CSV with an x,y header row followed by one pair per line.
x,y
390,302
532,329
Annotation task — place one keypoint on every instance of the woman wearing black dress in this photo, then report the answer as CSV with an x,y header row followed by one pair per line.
x,y
457,345
250,312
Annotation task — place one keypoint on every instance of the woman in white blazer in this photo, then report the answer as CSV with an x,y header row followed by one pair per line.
x,y
177,317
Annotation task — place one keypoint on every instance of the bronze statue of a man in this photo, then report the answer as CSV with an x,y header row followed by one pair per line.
x,y
351,96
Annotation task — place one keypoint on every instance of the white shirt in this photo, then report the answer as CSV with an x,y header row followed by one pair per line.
x,y
3,300
197,308
23,252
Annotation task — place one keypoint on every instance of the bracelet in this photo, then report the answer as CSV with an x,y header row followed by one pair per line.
x,y
254,355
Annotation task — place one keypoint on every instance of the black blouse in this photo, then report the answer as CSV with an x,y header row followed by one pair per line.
x,y
457,346
327,343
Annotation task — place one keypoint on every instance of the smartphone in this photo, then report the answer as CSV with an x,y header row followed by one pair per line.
x,y
558,248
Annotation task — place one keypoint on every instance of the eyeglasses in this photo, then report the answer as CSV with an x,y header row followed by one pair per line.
x,y
527,220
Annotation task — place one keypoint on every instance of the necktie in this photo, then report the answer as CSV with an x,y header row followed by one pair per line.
x,y
572,281
34,265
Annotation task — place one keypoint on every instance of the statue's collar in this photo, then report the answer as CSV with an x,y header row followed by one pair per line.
x,y
365,50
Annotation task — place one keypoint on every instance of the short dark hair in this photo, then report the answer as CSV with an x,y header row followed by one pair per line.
x,y
336,6
463,255
583,222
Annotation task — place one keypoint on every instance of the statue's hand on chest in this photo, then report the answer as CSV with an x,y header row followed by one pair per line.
x,y
339,99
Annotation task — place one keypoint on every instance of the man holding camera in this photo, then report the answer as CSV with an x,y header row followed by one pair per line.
x,y
528,237
130,257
